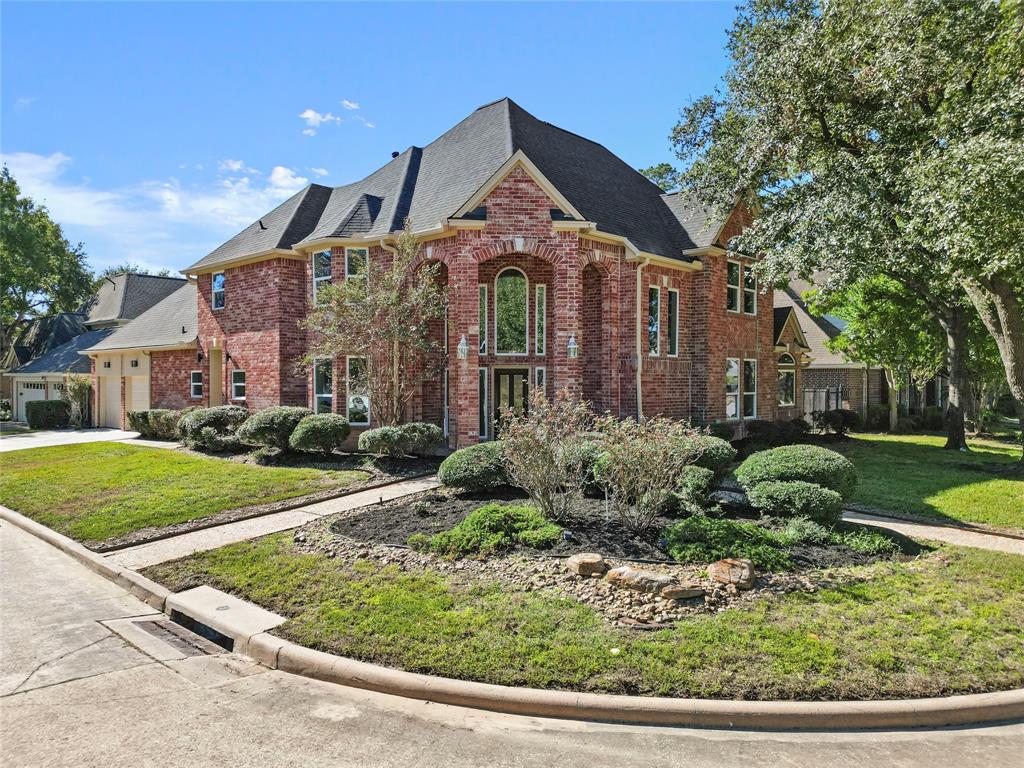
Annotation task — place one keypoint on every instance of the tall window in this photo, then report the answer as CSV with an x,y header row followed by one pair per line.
x,y
196,384
540,378
732,388
749,389
787,380
321,271
323,386
732,286
358,392
218,290
653,321
482,403
356,262
481,319
673,322
510,313
540,327
238,385
749,292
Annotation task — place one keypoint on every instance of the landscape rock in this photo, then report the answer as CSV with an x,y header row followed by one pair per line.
x,y
734,572
587,564
638,580
681,591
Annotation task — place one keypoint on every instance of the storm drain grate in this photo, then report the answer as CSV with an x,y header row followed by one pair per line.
x,y
179,638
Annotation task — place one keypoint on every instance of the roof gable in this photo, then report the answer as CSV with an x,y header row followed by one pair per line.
x,y
174,322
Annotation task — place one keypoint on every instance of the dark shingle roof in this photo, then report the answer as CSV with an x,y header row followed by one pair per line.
x,y
701,223
429,184
127,295
172,322
816,329
66,357
39,335
779,317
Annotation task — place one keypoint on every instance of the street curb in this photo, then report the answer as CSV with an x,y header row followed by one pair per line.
x,y
278,653
148,591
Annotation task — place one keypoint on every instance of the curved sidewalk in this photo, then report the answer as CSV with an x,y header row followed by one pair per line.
x,y
947,534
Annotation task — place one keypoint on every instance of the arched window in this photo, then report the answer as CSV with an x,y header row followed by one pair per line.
x,y
510,312
787,380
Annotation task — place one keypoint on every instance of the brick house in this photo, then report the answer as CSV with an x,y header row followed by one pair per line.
x,y
608,287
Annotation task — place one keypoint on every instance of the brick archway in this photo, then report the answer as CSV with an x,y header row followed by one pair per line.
x,y
529,246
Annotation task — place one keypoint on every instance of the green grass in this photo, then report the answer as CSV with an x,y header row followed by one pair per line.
x,y
914,474
929,627
95,491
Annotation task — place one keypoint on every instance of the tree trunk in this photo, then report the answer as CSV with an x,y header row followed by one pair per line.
x,y
955,325
1001,309
894,396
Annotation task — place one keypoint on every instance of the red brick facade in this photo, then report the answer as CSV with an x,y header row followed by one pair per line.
x,y
590,292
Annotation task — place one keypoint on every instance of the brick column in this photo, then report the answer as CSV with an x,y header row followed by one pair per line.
x,y
464,394
568,291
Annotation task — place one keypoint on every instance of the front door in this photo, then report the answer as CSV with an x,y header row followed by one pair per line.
x,y
511,390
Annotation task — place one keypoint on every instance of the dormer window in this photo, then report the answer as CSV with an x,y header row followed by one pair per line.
x,y
477,214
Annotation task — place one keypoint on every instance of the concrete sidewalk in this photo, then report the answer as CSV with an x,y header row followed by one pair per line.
x,y
45,438
948,534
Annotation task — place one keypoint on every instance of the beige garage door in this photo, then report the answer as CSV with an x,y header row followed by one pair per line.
x,y
110,402
138,393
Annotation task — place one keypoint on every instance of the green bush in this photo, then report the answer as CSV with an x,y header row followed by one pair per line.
x,y
212,429
421,439
840,421
592,451
272,426
382,441
416,438
809,463
867,541
803,530
47,414
5,409
877,419
715,454
491,529
703,539
933,418
725,430
479,467
796,498
156,424
693,493
906,424
320,433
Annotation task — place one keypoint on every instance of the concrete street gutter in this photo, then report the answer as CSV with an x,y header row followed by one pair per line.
x,y
247,624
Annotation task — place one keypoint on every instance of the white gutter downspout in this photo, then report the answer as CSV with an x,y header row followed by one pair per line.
x,y
639,346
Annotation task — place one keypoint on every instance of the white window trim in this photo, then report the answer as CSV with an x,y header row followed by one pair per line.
x,y
656,352
349,249
192,385
317,395
542,371
234,384
540,332
482,331
738,287
348,393
671,318
786,367
484,372
745,290
323,279
213,293
738,394
743,387
527,345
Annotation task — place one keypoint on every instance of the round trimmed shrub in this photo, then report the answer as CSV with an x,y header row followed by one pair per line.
x,y
272,426
211,429
693,493
383,441
479,467
320,433
421,438
797,499
809,463
715,454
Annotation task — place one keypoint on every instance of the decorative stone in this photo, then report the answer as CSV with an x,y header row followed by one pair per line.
x,y
681,592
733,571
587,564
639,581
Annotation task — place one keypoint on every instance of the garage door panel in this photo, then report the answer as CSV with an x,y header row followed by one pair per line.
x,y
110,402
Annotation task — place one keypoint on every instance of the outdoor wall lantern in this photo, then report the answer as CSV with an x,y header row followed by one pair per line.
x,y
199,355
462,351
572,348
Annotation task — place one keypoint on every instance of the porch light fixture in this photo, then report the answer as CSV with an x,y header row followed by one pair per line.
x,y
462,351
572,348
199,355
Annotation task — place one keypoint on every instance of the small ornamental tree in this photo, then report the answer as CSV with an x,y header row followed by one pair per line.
x,y
546,450
382,312
642,463
76,392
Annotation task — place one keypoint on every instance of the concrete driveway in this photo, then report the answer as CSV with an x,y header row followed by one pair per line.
x,y
76,691
45,437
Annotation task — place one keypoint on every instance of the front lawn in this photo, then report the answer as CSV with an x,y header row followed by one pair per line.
x,y
950,622
914,474
97,491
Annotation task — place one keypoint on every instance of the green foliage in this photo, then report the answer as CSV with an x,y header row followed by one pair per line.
x,y
703,539
932,418
877,419
320,433
803,530
664,175
809,463
47,414
5,409
492,529
775,433
416,438
867,541
76,393
272,426
723,430
713,453
796,498
693,491
156,424
421,438
212,429
479,467
383,441
838,421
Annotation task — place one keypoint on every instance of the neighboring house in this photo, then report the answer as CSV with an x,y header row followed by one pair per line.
x,y
792,359
35,338
608,287
118,300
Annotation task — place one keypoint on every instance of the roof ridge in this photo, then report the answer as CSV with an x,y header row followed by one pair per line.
x,y
405,191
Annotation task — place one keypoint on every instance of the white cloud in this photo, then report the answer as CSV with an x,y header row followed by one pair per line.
x,y
319,171
285,179
235,166
309,132
315,119
364,121
349,104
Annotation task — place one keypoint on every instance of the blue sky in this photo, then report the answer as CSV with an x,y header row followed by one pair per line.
x,y
154,132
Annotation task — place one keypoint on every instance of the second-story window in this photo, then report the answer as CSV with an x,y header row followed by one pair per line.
x,y
357,262
749,292
321,272
218,290
732,286
653,321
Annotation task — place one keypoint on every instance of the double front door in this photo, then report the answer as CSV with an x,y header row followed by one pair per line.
x,y
511,390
